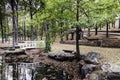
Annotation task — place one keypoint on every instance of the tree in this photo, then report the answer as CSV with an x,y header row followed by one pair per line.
x,y
2,18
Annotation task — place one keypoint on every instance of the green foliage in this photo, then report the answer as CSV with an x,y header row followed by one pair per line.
x,y
57,12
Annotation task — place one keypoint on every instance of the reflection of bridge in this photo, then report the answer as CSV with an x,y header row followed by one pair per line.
x,y
26,71
29,65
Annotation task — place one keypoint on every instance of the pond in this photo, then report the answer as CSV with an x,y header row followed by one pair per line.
x,y
31,71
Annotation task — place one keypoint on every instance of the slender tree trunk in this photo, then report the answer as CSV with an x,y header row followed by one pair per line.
x,y
5,27
48,47
41,34
8,29
61,32
41,31
31,17
14,23
2,30
114,24
77,32
67,35
89,31
96,30
16,28
5,33
72,36
61,24
37,32
107,35
119,23
24,31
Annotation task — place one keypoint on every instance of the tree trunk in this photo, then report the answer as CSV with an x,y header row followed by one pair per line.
x,y
8,29
61,30
2,30
67,36
5,30
96,30
31,17
89,31
119,23
114,24
16,28
24,31
41,31
77,32
14,23
47,47
72,36
107,35
5,27
77,43
37,32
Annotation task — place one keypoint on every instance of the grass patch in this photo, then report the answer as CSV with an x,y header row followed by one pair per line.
x,y
111,55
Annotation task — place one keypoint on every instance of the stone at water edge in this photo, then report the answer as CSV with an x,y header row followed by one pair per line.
x,y
109,76
86,69
108,67
44,79
52,55
110,71
92,58
93,76
113,76
61,56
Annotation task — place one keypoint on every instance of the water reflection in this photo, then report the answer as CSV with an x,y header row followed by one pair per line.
x,y
25,71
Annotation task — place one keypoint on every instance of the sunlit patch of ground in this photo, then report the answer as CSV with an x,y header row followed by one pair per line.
x,y
109,54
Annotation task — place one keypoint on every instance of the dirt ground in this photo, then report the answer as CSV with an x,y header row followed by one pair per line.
x,y
109,54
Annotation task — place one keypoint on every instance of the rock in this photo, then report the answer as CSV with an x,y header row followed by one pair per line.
x,y
92,58
61,56
109,76
108,67
86,69
113,76
93,76
68,51
52,55
44,79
